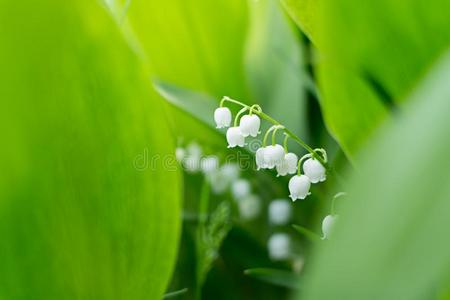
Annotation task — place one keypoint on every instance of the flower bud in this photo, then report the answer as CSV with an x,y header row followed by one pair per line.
x,y
240,189
279,212
249,207
279,246
180,154
273,155
328,224
259,156
288,165
209,164
299,187
249,125
314,170
222,117
230,171
235,137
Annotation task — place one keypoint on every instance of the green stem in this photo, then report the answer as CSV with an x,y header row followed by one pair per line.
x,y
266,136
338,195
285,143
275,132
236,119
299,164
287,131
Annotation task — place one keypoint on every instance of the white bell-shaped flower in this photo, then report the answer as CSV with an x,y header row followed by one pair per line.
x,y
217,180
194,149
235,137
222,117
249,207
314,170
192,163
240,188
280,211
259,156
209,164
299,187
230,171
279,246
328,224
249,125
180,154
273,155
288,165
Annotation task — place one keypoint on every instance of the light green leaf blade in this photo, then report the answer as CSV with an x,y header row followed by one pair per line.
x,y
391,240
274,276
371,57
305,14
274,65
83,213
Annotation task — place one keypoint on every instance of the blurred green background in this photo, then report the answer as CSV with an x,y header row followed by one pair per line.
x,y
96,96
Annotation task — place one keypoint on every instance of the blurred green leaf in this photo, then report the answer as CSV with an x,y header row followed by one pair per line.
x,y
200,106
275,67
391,241
305,14
371,56
175,294
312,236
84,212
274,276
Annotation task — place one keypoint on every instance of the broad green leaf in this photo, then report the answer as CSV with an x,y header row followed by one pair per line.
x,y
312,236
197,45
86,210
371,57
391,240
276,277
305,14
200,106
275,67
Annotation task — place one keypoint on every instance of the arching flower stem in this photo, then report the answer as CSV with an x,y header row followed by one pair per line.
x,y
268,118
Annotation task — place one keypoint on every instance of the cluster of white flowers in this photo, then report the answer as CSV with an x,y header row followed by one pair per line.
x,y
274,155
279,244
221,178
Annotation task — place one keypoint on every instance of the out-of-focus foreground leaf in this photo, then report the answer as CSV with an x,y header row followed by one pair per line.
x,y
274,276
274,64
305,14
391,241
371,56
86,211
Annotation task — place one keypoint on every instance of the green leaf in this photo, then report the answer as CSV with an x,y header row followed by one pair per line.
x,y
175,294
391,240
275,67
276,277
372,56
313,237
199,105
305,14
84,212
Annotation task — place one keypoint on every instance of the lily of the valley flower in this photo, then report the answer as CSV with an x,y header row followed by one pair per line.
x,y
235,137
328,224
222,117
288,165
273,155
209,164
279,246
259,155
314,170
249,125
279,211
240,189
299,187
249,207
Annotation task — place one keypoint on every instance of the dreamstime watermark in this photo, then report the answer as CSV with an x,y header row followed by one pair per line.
x,y
147,161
